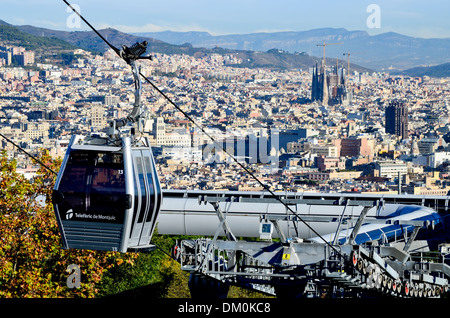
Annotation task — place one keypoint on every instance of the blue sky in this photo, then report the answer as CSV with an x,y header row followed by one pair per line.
x,y
410,17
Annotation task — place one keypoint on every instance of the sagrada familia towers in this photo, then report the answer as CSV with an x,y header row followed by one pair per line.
x,y
331,88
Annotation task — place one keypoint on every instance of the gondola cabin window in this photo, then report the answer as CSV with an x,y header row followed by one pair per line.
x,y
93,185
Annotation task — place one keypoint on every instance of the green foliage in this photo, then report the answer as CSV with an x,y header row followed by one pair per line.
x,y
14,36
152,274
237,292
441,70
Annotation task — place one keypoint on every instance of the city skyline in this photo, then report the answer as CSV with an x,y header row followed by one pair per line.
x,y
412,18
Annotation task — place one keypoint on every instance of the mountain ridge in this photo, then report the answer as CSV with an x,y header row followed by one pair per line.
x,y
91,41
441,70
14,36
403,48
383,51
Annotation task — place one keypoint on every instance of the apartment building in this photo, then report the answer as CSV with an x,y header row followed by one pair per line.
x,y
390,168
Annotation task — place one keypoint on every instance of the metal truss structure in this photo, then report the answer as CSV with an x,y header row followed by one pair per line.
x,y
292,267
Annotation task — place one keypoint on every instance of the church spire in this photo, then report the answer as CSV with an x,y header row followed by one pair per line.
x,y
324,88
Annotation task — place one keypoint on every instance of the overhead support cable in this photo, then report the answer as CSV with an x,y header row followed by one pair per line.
x,y
28,154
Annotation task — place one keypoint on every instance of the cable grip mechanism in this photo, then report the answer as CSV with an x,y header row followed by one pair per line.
x,y
134,52
130,55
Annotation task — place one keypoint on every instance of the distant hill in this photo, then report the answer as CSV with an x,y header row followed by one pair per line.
x,y
390,51
302,41
89,40
379,52
442,70
394,52
13,36
275,59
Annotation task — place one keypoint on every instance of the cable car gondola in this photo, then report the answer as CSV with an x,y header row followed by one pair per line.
x,y
107,194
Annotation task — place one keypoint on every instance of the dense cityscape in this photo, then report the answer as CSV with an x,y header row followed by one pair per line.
x,y
362,132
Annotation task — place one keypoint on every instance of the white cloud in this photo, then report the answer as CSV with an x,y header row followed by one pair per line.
x,y
47,24
150,28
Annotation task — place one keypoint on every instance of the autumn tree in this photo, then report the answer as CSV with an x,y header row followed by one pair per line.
x,y
32,261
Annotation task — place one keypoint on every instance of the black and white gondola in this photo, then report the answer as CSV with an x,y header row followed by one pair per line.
x,y
107,194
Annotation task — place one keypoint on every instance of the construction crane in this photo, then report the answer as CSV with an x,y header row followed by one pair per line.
x,y
348,62
324,45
